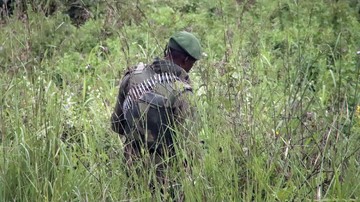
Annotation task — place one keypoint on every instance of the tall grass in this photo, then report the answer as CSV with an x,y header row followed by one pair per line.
x,y
277,99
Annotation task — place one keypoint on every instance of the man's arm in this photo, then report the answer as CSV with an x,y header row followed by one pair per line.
x,y
188,125
184,112
118,121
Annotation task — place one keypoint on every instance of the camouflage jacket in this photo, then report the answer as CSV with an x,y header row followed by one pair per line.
x,y
180,106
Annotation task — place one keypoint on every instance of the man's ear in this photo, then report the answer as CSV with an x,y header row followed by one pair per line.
x,y
166,51
186,59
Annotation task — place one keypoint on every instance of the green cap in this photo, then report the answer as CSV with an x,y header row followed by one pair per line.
x,y
185,41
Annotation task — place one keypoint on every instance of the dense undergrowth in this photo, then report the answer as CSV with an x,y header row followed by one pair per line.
x,y
277,95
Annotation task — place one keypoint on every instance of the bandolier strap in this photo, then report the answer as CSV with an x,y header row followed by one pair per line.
x,y
146,86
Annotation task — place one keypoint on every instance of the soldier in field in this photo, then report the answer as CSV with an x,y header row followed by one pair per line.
x,y
153,104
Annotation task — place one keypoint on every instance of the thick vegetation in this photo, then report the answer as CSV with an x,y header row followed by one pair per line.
x,y
277,95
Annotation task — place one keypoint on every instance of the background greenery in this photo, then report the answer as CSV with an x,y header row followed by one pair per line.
x,y
277,94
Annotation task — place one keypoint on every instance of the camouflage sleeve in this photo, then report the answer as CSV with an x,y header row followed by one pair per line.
x,y
118,121
188,126
184,112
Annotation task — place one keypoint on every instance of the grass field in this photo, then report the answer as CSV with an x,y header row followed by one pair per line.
x,y
277,97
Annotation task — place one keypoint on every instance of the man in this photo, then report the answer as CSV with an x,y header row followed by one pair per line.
x,y
152,102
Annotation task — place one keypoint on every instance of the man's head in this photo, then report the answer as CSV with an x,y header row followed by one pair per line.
x,y
183,49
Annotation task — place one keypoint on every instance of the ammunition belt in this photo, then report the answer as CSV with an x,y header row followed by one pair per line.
x,y
146,86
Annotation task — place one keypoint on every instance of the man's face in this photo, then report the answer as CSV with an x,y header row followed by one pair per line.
x,y
188,64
